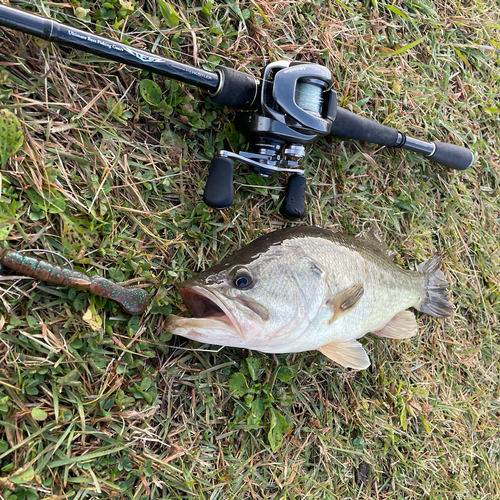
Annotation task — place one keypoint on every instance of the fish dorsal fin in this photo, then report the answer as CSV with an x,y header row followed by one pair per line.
x,y
402,326
374,237
349,354
345,300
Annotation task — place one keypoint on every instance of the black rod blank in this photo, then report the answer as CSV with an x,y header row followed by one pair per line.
x,y
53,31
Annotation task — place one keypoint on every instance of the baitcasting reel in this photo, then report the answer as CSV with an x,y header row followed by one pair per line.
x,y
297,106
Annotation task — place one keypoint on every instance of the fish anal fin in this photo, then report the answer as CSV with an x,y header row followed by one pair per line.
x,y
402,326
345,300
349,354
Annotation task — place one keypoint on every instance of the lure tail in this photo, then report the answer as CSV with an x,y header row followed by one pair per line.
x,y
435,301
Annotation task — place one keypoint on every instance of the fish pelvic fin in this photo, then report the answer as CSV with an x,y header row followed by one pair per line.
x,y
349,354
402,326
345,300
435,301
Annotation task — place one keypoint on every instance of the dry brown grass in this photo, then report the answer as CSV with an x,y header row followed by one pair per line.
x,y
116,187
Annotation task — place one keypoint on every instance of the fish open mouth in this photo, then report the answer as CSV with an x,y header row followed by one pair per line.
x,y
204,304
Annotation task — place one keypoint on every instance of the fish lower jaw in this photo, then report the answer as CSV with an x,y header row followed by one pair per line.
x,y
217,332
205,330
176,324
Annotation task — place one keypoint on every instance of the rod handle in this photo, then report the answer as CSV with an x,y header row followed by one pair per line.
x,y
451,155
236,89
349,125
219,190
294,204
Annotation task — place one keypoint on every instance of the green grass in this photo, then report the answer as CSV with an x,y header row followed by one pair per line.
x,y
115,184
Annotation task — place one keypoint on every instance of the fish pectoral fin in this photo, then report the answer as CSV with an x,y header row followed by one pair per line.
x,y
402,326
349,354
345,300
349,297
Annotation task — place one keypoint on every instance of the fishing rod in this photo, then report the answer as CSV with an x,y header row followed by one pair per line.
x,y
281,113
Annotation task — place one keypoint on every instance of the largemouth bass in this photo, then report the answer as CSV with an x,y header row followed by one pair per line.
x,y
306,288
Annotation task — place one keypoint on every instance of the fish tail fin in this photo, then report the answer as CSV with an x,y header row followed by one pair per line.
x,y
435,301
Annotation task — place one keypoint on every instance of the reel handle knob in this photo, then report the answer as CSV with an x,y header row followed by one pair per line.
x,y
219,191
294,204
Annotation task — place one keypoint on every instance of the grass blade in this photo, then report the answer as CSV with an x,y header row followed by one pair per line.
x,y
407,47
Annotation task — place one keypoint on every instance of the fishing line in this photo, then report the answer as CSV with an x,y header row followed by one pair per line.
x,y
309,95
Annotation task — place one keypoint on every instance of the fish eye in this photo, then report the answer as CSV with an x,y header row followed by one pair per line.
x,y
242,279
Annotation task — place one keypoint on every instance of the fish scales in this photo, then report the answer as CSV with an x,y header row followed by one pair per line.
x,y
388,289
308,288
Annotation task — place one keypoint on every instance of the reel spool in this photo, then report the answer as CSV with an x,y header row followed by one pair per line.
x,y
297,106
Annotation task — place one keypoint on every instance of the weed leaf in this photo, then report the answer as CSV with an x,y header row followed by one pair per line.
x,y
285,373
11,136
38,414
253,367
257,412
238,384
22,476
169,15
150,92
278,428
92,318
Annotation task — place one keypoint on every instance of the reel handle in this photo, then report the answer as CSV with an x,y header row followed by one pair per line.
x,y
294,204
219,190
